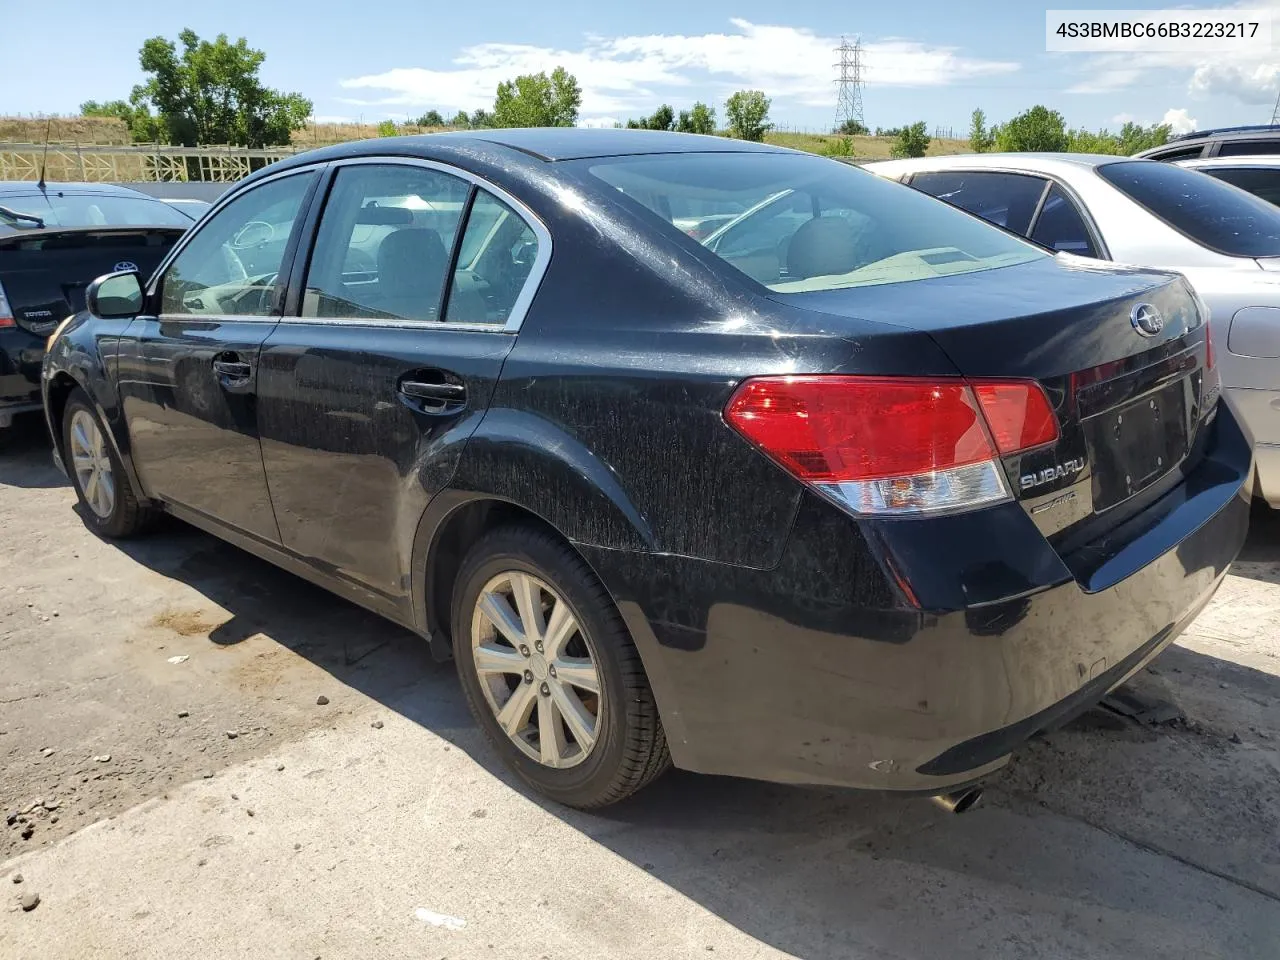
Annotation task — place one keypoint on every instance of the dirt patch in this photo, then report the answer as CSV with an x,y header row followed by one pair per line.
x,y
185,623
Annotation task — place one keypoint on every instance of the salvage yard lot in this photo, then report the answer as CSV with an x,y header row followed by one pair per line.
x,y
176,789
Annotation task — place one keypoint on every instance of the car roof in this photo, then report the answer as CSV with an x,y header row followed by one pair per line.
x,y
16,187
1046,163
1246,131
1261,160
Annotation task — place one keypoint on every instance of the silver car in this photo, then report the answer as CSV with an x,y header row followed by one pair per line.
x,y
1151,214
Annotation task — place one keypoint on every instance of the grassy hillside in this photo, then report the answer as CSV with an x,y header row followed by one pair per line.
x,y
110,131
864,148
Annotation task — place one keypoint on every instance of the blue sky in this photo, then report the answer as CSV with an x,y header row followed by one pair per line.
x,y
926,60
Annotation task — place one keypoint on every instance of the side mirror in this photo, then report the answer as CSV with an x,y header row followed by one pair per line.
x,y
116,296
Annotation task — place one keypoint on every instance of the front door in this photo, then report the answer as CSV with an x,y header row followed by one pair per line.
x,y
189,370
367,398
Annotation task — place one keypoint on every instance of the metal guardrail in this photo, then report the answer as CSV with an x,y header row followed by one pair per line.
x,y
145,163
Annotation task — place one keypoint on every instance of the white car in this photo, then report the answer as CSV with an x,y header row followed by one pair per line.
x,y
1259,175
1151,214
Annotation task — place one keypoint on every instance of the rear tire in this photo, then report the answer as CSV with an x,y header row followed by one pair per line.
x,y
518,569
108,502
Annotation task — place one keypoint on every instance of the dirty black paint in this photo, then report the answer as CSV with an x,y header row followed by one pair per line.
x,y
784,638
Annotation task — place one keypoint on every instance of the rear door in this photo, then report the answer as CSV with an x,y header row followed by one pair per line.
x,y
188,371
416,283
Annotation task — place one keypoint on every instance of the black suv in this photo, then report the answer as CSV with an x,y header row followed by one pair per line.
x,y
1223,142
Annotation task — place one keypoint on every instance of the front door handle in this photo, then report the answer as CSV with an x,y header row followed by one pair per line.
x,y
447,392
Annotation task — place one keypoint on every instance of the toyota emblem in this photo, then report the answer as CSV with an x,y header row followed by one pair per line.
x,y
125,266
1146,319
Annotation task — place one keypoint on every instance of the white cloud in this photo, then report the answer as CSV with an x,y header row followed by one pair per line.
x,y
1251,76
1122,118
624,75
1179,121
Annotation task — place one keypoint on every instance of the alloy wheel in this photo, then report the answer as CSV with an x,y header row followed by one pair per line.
x,y
92,464
537,669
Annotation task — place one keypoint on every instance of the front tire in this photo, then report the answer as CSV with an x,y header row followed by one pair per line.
x,y
108,501
551,673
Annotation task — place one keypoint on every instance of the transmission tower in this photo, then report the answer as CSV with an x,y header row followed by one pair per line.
x,y
849,101
1275,112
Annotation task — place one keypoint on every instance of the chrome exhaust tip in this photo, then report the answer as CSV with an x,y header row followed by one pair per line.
x,y
962,801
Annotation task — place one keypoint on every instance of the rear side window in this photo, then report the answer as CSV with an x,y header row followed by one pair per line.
x,y
384,243
1249,148
1210,212
1260,181
1177,153
1006,199
496,256
797,223
1061,226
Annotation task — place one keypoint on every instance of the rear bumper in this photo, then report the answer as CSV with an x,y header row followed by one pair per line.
x,y
805,673
21,354
1259,411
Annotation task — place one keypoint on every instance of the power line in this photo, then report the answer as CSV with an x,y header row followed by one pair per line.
x,y
849,100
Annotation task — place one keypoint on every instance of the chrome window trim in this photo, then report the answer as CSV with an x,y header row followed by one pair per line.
x,y
519,308
203,222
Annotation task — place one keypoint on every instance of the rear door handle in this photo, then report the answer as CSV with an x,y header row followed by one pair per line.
x,y
448,392
230,369
438,394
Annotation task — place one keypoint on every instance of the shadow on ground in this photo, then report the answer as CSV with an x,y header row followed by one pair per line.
x,y
1102,839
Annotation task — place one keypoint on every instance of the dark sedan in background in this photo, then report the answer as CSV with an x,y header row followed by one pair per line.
x,y
54,239
849,487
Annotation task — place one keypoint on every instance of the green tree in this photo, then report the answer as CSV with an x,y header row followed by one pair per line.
x,y
480,119
143,127
912,141
748,115
838,146
697,119
1039,129
211,93
536,100
460,119
387,128
852,128
431,118
980,138
664,118
1135,137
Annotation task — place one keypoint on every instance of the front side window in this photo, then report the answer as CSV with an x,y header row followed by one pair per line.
x,y
1262,182
797,223
231,266
384,244
1006,199
496,256
1208,211
1061,226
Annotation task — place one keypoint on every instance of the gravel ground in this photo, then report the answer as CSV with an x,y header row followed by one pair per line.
x,y
173,786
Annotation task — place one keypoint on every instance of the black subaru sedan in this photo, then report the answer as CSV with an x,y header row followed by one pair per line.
x,y
686,450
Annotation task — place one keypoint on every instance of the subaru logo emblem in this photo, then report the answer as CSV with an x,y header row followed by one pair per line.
x,y
1146,319
125,266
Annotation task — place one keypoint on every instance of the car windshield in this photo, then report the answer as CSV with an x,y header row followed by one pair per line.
x,y
1212,213
796,223
92,210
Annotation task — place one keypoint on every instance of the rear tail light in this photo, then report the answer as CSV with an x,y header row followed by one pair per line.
x,y
6,312
895,446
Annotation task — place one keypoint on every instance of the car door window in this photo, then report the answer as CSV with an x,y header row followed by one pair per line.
x,y
1262,182
497,253
231,266
1061,226
1248,148
384,244
1006,199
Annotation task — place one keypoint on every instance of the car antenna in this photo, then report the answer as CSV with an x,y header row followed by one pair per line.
x,y
44,157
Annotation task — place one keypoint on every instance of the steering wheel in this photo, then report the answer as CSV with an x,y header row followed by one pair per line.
x,y
253,234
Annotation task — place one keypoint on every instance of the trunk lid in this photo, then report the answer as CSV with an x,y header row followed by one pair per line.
x,y
1120,353
44,272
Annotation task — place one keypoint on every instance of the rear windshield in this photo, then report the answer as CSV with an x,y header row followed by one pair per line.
x,y
1211,213
797,223
91,210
